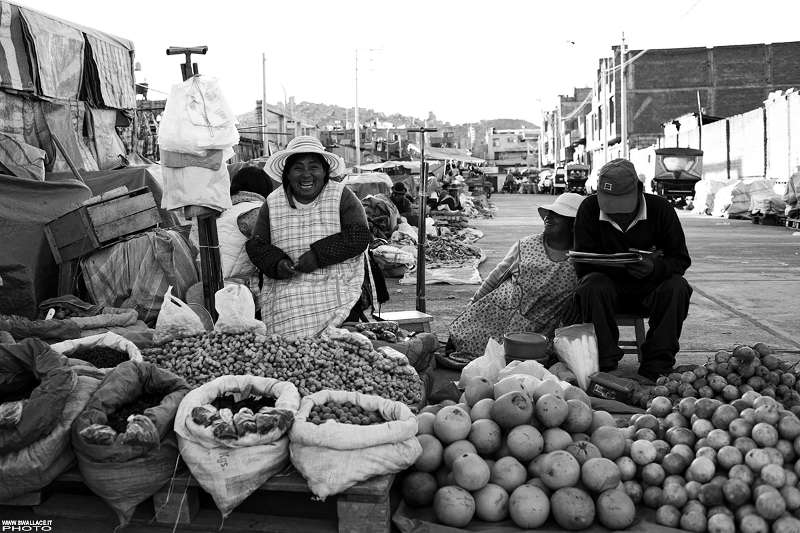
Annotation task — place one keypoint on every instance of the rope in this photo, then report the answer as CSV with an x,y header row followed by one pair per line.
x,y
169,490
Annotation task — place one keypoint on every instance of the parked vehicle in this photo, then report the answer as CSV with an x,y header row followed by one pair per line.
x,y
577,174
560,180
677,170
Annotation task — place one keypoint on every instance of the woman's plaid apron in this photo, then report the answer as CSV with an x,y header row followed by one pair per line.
x,y
306,304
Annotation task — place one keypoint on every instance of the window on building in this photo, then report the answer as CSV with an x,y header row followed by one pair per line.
x,y
495,142
511,140
611,112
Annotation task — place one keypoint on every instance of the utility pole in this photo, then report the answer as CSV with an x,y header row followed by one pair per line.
x,y
604,108
423,203
623,93
356,126
264,140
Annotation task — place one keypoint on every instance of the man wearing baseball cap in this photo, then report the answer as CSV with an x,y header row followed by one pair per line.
x,y
619,218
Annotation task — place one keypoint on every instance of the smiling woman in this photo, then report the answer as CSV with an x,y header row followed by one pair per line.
x,y
309,242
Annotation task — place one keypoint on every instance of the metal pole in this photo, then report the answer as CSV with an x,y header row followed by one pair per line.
x,y
699,123
264,140
604,107
623,108
421,231
423,201
355,119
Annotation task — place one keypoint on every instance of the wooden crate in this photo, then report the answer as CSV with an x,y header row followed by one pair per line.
x,y
283,504
100,222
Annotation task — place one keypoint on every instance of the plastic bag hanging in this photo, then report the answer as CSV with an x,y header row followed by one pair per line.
x,y
176,320
576,347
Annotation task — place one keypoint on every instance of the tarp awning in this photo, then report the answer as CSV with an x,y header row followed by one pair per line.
x,y
369,177
15,69
451,154
58,55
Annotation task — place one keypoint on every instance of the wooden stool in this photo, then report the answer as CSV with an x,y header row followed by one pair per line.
x,y
637,322
414,321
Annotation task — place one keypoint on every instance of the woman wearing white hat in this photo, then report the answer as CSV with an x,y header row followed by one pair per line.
x,y
309,242
529,290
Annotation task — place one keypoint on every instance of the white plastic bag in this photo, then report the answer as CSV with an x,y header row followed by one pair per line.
x,y
333,456
197,118
576,347
393,256
488,365
176,320
236,310
196,186
108,340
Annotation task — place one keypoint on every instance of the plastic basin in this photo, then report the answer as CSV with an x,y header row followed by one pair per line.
x,y
523,346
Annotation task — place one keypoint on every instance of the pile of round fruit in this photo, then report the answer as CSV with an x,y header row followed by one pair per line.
x,y
527,455
532,455
311,364
345,413
707,465
729,375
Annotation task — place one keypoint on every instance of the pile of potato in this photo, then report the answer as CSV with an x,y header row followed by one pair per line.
x,y
311,364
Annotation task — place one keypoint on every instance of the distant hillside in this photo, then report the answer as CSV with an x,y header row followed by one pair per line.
x,y
327,114
507,123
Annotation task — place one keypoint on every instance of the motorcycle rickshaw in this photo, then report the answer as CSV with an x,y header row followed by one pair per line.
x,y
577,174
677,171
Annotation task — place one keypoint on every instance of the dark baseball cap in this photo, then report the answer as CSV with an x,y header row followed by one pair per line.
x,y
617,187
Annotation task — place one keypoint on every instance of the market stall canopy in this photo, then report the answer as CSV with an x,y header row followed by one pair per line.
x,y
53,58
371,167
60,80
369,183
451,154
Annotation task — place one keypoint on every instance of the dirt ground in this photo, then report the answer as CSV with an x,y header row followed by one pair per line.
x,y
746,279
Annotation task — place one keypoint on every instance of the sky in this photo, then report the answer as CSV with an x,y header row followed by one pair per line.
x,y
464,60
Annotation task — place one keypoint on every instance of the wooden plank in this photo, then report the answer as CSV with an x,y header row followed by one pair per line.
x,y
77,249
210,520
108,195
181,506
358,517
67,228
51,240
67,272
23,500
375,489
125,226
76,506
120,208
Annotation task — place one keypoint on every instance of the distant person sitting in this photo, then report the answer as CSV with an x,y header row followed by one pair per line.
x,y
400,198
448,200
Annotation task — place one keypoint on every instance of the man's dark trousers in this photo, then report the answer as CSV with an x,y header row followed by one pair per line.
x,y
600,298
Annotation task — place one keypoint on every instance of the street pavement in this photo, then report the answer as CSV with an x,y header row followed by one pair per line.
x,y
746,279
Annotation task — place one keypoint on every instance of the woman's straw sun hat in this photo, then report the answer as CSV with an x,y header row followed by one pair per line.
x,y
304,144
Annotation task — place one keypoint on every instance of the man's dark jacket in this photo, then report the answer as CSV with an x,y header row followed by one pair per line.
x,y
662,230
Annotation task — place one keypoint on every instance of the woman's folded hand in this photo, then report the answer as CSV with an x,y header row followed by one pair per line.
x,y
285,269
307,262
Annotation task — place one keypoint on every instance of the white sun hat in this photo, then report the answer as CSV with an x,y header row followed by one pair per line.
x,y
565,205
303,144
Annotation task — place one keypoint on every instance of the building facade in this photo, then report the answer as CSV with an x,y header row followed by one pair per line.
x,y
564,129
512,148
661,84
